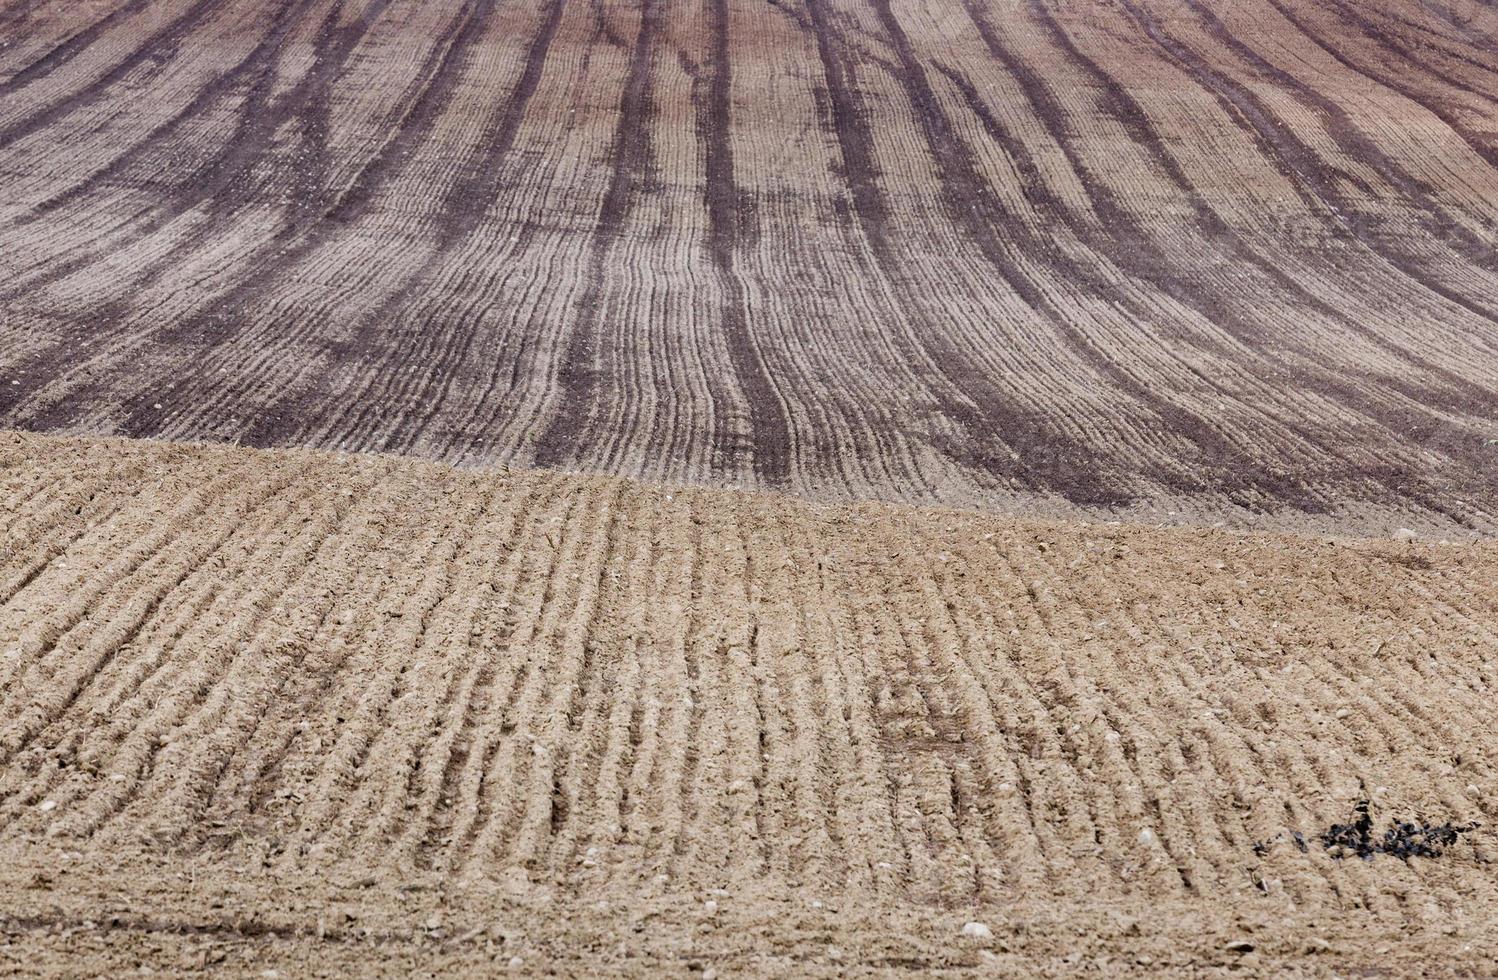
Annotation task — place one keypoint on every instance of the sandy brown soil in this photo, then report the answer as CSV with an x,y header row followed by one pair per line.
x,y
352,714
363,715
1158,255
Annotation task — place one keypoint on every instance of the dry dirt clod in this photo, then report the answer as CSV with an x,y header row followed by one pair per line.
x,y
977,930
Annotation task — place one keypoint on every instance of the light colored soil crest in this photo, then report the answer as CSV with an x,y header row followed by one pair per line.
x,y
353,714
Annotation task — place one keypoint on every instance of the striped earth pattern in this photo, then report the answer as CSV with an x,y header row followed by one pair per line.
x,y
300,705
665,488
1224,257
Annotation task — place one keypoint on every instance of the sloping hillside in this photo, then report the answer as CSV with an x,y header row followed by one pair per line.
x,y
252,700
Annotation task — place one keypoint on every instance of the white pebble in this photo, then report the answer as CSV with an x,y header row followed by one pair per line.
x,y
977,930
516,962
1404,534
710,907
48,805
1146,836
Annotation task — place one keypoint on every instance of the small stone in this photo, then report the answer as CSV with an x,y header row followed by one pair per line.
x,y
977,930
1146,837
1404,534
710,907
1343,712
516,962
48,805
1240,946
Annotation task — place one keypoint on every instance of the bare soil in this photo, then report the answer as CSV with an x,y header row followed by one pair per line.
x,y
1081,268
1145,256
340,715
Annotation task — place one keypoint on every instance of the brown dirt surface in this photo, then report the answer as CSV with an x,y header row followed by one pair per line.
x,y
357,715
1144,255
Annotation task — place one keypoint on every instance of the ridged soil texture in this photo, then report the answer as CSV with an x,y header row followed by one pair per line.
x,y
1147,256
252,700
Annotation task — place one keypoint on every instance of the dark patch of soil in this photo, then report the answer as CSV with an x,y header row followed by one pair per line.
x,y
1403,839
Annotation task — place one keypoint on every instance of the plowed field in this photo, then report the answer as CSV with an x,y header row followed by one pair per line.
x,y
758,422
311,712
1152,254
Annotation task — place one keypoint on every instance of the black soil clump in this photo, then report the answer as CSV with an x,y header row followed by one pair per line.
x,y
1403,839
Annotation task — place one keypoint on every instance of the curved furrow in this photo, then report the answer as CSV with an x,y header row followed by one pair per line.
x,y
1316,176
65,50
413,118
165,42
1144,261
